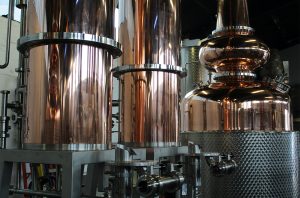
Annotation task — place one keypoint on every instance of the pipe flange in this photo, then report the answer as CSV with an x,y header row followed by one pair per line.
x,y
227,75
45,38
118,71
236,30
235,73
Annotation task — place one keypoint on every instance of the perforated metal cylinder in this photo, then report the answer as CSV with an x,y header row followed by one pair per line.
x,y
196,73
268,164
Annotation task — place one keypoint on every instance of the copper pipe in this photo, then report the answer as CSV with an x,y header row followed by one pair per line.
x,y
232,13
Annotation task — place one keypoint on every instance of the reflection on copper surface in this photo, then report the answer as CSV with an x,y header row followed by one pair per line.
x,y
150,34
149,108
235,102
233,46
232,13
83,16
234,53
257,108
68,95
69,85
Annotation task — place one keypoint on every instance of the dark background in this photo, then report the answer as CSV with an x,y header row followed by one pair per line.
x,y
277,22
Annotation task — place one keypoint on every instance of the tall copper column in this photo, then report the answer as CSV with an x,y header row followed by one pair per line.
x,y
68,78
149,79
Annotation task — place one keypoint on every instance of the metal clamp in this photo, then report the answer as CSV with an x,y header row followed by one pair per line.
x,y
227,76
242,30
279,83
282,87
235,73
39,39
118,71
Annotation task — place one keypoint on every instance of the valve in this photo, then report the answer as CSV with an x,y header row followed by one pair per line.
x,y
154,185
221,164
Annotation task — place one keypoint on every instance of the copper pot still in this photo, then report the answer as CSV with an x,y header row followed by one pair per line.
x,y
68,85
148,73
236,102
239,115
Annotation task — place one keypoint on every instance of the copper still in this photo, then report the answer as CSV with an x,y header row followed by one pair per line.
x,y
149,74
236,102
68,79
239,115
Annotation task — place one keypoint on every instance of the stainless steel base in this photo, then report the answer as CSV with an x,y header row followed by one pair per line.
x,y
268,164
71,162
127,167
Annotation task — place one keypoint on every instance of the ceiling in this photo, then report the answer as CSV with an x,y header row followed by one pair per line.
x,y
277,22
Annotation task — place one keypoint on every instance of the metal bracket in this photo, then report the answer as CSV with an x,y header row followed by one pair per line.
x,y
71,161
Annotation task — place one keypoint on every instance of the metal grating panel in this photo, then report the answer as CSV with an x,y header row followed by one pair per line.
x,y
268,164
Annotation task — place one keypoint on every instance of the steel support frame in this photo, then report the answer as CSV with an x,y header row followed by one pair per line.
x,y
71,162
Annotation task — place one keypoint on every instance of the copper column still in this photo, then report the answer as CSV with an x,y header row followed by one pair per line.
x,y
68,80
149,75
235,101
